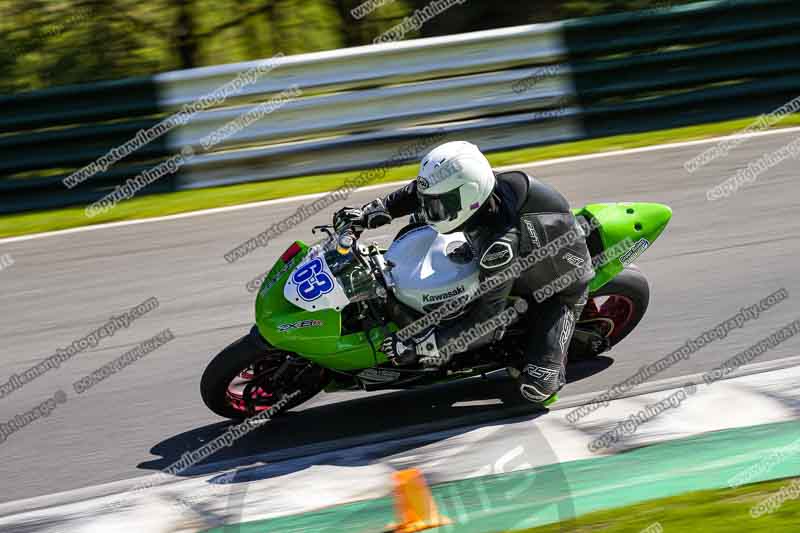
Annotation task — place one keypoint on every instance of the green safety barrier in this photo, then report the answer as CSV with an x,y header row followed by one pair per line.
x,y
632,72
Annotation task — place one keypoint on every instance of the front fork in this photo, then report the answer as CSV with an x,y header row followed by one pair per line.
x,y
288,376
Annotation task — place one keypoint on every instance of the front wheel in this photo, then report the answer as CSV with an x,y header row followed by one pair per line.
x,y
249,377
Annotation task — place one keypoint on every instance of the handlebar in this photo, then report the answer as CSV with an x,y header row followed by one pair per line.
x,y
347,242
345,239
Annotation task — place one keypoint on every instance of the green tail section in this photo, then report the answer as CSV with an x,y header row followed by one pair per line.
x,y
640,222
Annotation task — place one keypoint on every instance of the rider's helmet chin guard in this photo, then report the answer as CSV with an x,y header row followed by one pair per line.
x,y
455,179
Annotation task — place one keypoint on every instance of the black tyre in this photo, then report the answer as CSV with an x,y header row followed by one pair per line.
x,y
232,373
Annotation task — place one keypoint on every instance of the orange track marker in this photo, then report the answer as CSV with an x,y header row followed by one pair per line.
x,y
414,504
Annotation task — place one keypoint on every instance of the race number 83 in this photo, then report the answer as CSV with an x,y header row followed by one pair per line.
x,y
311,281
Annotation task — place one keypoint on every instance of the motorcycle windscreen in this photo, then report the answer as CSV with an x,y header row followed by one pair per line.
x,y
356,280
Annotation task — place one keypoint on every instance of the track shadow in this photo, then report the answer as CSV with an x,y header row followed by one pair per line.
x,y
587,368
494,397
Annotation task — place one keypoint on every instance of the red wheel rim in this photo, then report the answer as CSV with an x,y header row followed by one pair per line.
x,y
610,313
235,392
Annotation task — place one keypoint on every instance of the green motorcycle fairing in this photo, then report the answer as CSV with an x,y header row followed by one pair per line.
x,y
317,335
320,340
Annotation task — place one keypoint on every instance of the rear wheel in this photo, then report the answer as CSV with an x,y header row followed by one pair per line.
x,y
611,313
249,377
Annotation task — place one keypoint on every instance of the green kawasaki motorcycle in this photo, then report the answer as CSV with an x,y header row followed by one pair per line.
x,y
322,311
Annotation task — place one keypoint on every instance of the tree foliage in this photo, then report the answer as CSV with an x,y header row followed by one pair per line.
x,y
55,42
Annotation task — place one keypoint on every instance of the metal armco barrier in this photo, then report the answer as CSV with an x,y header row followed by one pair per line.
x,y
501,89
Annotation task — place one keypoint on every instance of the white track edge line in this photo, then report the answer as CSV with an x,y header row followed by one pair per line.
x,y
557,161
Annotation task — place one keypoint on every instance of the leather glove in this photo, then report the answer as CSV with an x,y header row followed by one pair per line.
x,y
349,216
375,214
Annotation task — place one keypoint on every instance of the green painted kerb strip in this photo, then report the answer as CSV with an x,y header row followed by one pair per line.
x,y
559,492
709,511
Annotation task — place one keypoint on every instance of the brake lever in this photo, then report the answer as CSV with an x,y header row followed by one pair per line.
x,y
325,227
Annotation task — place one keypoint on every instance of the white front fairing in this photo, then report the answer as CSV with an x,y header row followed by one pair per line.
x,y
424,275
312,286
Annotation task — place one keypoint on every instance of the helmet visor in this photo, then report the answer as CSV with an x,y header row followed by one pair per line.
x,y
441,207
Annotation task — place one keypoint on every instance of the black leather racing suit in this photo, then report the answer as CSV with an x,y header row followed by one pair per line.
x,y
521,215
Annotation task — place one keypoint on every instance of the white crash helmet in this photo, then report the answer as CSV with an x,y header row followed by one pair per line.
x,y
454,181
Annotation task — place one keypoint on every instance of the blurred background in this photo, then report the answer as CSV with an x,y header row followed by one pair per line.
x,y
52,42
85,77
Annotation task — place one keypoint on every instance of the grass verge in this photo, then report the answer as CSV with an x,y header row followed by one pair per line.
x,y
185,201
710,511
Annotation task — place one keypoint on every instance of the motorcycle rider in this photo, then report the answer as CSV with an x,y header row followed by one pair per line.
x,y
504,216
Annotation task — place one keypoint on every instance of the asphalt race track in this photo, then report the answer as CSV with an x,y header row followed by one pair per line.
x,y
714,258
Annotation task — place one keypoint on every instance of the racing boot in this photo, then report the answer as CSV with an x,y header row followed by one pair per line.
x,y
539,383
